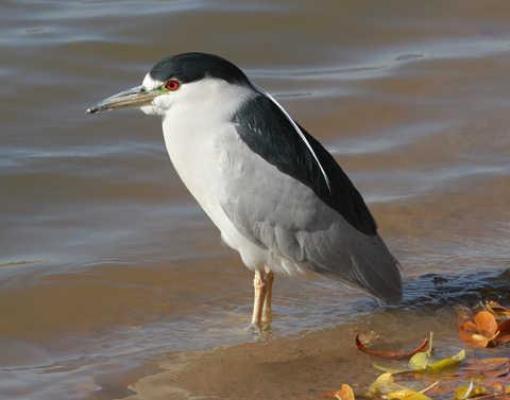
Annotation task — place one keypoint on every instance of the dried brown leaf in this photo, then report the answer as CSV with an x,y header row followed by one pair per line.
x,y
504,327
391,354
502,339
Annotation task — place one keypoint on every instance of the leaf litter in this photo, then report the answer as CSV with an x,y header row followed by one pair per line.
x,y
456,377
489,326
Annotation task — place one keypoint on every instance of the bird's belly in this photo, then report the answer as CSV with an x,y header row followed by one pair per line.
x,y
199,160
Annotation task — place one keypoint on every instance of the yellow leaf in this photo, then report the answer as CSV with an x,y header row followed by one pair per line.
x,y
469,391
386,386
419,361
464,391
407,394
438,366
382,385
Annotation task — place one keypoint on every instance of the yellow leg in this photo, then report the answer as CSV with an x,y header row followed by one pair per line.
x,y
259,287
267,315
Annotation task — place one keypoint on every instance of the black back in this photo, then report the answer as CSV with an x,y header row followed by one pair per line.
x,y
268,132
189,67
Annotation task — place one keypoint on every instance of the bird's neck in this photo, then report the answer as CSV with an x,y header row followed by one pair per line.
x,y
196,131
209,103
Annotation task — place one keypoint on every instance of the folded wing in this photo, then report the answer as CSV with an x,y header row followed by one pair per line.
x,y
295,200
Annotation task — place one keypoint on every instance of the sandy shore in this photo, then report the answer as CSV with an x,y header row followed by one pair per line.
x,y
299,367
311,364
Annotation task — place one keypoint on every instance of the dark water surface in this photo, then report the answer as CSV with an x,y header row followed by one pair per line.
x,y
107,263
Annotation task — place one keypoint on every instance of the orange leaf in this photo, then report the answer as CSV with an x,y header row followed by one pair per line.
x,y
345,393
468,333
477,340
480,332
486,323
391,354
469,327
472,338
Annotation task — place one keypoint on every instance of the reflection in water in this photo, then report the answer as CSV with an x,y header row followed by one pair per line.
x,y
106,261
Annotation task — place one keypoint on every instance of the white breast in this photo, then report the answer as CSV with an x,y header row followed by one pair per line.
x,y
200,138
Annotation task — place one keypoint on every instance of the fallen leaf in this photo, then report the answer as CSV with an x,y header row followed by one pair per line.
x,y
479,332
486,323
385,383
476,379
497,309
407,394
503,336
390,354
344,393
440,365
481,390
385,386
466,391
419,361
502,339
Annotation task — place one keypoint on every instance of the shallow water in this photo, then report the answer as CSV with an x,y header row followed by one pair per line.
x,y
106,262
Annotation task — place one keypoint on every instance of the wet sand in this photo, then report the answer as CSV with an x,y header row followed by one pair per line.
x,y
308,366
113,283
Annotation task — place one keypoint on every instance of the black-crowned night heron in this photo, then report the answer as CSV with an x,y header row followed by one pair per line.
x,y
276,195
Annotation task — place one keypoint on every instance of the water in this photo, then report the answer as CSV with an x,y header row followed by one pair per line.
x,y
107,265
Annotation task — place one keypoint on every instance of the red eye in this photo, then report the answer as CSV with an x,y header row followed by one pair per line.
x,y
172,85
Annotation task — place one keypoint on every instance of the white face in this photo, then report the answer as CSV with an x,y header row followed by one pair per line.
x,y
193,95
150,84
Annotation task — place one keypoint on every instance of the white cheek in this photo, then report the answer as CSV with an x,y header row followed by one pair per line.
x,y
163,102
149,110
159,105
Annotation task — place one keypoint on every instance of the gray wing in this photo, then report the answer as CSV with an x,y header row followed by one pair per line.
x,y
277,198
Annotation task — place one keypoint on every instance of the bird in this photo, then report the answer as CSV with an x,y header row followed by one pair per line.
x,y
277,196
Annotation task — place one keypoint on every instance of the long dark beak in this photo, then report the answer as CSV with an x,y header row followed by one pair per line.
x,y
134,97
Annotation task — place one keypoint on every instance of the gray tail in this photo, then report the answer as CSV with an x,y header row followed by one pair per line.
x,y
378,272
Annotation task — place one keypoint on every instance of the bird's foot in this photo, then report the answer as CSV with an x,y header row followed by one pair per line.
x,y
262,329
265,323
266,329
253,328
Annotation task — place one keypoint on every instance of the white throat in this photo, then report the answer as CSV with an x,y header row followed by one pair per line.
x,y
199,133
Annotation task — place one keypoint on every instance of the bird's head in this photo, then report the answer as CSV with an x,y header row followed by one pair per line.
x,y
177,79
